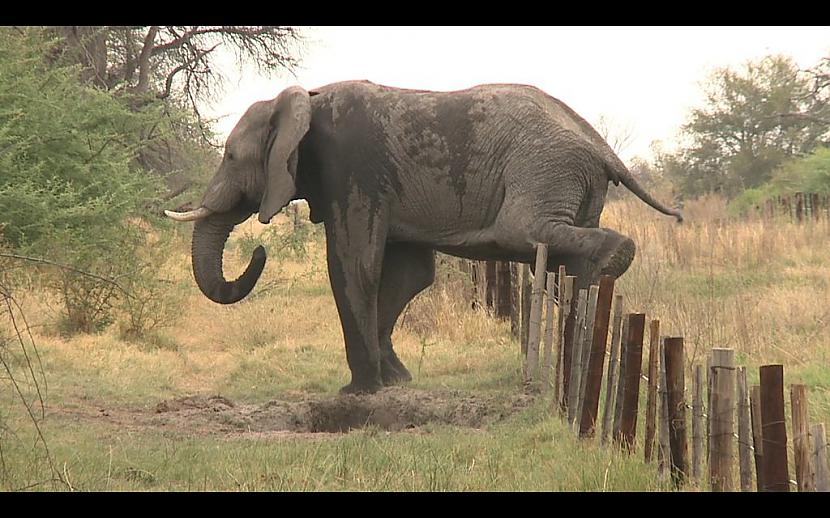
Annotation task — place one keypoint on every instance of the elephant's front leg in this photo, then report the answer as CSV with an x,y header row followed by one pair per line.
x,y
354,247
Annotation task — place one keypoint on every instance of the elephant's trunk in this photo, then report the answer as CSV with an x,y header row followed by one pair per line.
x,y
209,238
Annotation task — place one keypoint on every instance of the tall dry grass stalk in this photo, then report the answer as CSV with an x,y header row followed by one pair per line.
x,y
758,286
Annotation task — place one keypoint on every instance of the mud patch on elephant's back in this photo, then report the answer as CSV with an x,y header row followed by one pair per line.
x,y
392,409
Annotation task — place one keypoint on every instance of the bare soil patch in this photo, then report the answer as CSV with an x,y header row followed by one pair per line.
x,y
391,409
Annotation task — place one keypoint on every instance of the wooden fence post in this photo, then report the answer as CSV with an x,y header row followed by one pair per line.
x,y
576,356
525,304
547,357
566,285
613,370
664,453
801,439
773,429
721,416
585,347
744,432
535,318
515,302
490,284
820,458
697,421
618,400
651,394
504,293
757,439
596,361
675,376
633,364
799,207
568,328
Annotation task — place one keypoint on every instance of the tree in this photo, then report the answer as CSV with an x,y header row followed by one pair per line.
x,y
754,119
69,188
168,60
617,136
176,68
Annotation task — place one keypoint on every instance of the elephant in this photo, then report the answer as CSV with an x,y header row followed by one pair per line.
x,y
397,174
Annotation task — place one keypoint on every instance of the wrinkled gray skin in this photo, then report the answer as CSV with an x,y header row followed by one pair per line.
x,y
394,175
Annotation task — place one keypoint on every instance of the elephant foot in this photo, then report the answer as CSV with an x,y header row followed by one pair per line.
x,y
620,259
393,371
613,257
358,387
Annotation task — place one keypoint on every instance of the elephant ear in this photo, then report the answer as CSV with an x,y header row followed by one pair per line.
x,y
289,122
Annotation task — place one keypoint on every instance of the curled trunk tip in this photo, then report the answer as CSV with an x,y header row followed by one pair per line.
x,y
209,238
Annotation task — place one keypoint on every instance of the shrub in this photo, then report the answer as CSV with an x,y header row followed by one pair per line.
x,y
71,181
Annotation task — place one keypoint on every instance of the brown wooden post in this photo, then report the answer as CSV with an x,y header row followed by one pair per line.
x,y
613,370
576,356
744,432
651,394
515,302
504,302
664,452
525,287
820,458
804,475
721,415
475,276
799,207
675,374
757,439
566,284
490,285
535,320
567,343
550,326
773,429
599,343
633,365
585,347
709,407
618,399
697,421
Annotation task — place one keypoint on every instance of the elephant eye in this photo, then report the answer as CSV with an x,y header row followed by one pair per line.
x,y
229,155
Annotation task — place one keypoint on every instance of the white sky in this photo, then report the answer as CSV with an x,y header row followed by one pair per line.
x,y
645,79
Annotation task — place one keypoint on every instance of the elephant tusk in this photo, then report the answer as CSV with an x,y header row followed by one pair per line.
x,y
191,215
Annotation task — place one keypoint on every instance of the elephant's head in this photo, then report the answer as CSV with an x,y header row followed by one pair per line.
x,y
257,174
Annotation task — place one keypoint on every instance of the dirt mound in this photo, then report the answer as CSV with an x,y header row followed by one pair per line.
x,y
392,409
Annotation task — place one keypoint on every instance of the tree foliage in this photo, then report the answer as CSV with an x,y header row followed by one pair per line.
x,y
66,150
754,119
71,189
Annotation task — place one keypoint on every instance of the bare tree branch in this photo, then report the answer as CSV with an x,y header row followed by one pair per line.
x,y
144,60
65,267
168,83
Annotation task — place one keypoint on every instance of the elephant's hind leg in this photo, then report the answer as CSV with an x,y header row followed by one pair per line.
x,y
603,251
408,269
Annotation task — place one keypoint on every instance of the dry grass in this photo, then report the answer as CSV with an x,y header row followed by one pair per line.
x,y
760,288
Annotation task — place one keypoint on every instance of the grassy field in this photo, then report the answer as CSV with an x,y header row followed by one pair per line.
x,y
760,288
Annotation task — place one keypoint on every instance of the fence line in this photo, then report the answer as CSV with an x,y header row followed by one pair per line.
x,y
581,328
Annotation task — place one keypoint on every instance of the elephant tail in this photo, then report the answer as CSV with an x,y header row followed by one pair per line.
x,y
618,172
